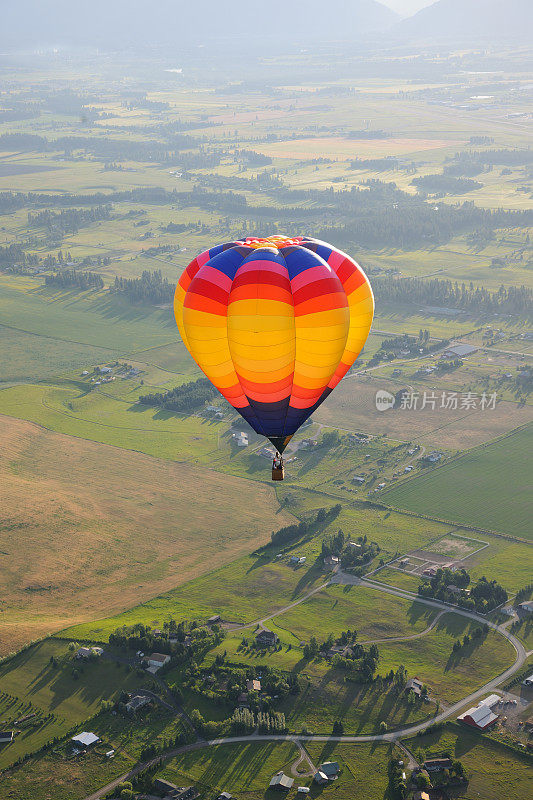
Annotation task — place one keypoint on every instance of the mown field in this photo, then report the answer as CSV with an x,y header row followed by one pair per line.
x,y
487,488
89,530
494,771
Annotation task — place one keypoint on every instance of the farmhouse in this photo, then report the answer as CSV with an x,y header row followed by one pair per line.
x,y
528,681
6,736
266,638
241,439
331,561
421,796
437,764
104,370
415,686
253,685
84,740
434,456
214,619
156,661
137,702
358,479
224,796
281,782
526,607
328,771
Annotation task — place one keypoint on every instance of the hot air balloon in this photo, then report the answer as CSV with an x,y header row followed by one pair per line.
x,y
274,323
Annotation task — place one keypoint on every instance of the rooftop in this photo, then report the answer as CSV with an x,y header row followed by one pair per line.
x,y
281,780
86,738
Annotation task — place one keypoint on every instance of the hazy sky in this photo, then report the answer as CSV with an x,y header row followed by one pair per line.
x,y
407,6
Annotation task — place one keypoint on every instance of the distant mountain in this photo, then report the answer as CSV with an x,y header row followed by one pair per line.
x,y
45,23
470,20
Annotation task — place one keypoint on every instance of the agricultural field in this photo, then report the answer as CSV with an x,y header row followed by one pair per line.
x,y
80,513
353,407
86,318
493,770
464,489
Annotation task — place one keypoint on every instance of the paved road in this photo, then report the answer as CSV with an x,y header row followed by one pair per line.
x,y
393,736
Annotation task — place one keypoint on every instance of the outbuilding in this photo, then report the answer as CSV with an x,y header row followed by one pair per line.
x,y
85,739
480,717
281,782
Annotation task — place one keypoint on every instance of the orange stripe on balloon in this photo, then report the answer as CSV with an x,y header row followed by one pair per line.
x,y
199,302
326,303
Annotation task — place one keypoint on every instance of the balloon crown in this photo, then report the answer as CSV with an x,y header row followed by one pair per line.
x,y
277,242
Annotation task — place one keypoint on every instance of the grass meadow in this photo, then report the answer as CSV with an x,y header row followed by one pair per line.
x,y
30,683
494,770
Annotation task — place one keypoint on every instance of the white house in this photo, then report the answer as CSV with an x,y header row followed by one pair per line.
x,y
156,661
241,439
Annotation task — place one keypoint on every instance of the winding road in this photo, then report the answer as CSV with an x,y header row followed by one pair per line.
x,y
340,577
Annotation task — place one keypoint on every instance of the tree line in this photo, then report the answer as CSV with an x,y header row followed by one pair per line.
x,y
151,287
449,294
71,278
445,184
185,398
69,220
315,523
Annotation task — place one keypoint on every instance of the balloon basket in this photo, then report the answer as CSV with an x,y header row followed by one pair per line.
x,y
278,473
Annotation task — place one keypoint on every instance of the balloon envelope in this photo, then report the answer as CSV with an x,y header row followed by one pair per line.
x,y
275,324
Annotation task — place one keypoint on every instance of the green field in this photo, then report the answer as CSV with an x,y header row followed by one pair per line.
x,y
485,488
374,615
30,683
91,318
494,771
450,676
244,770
